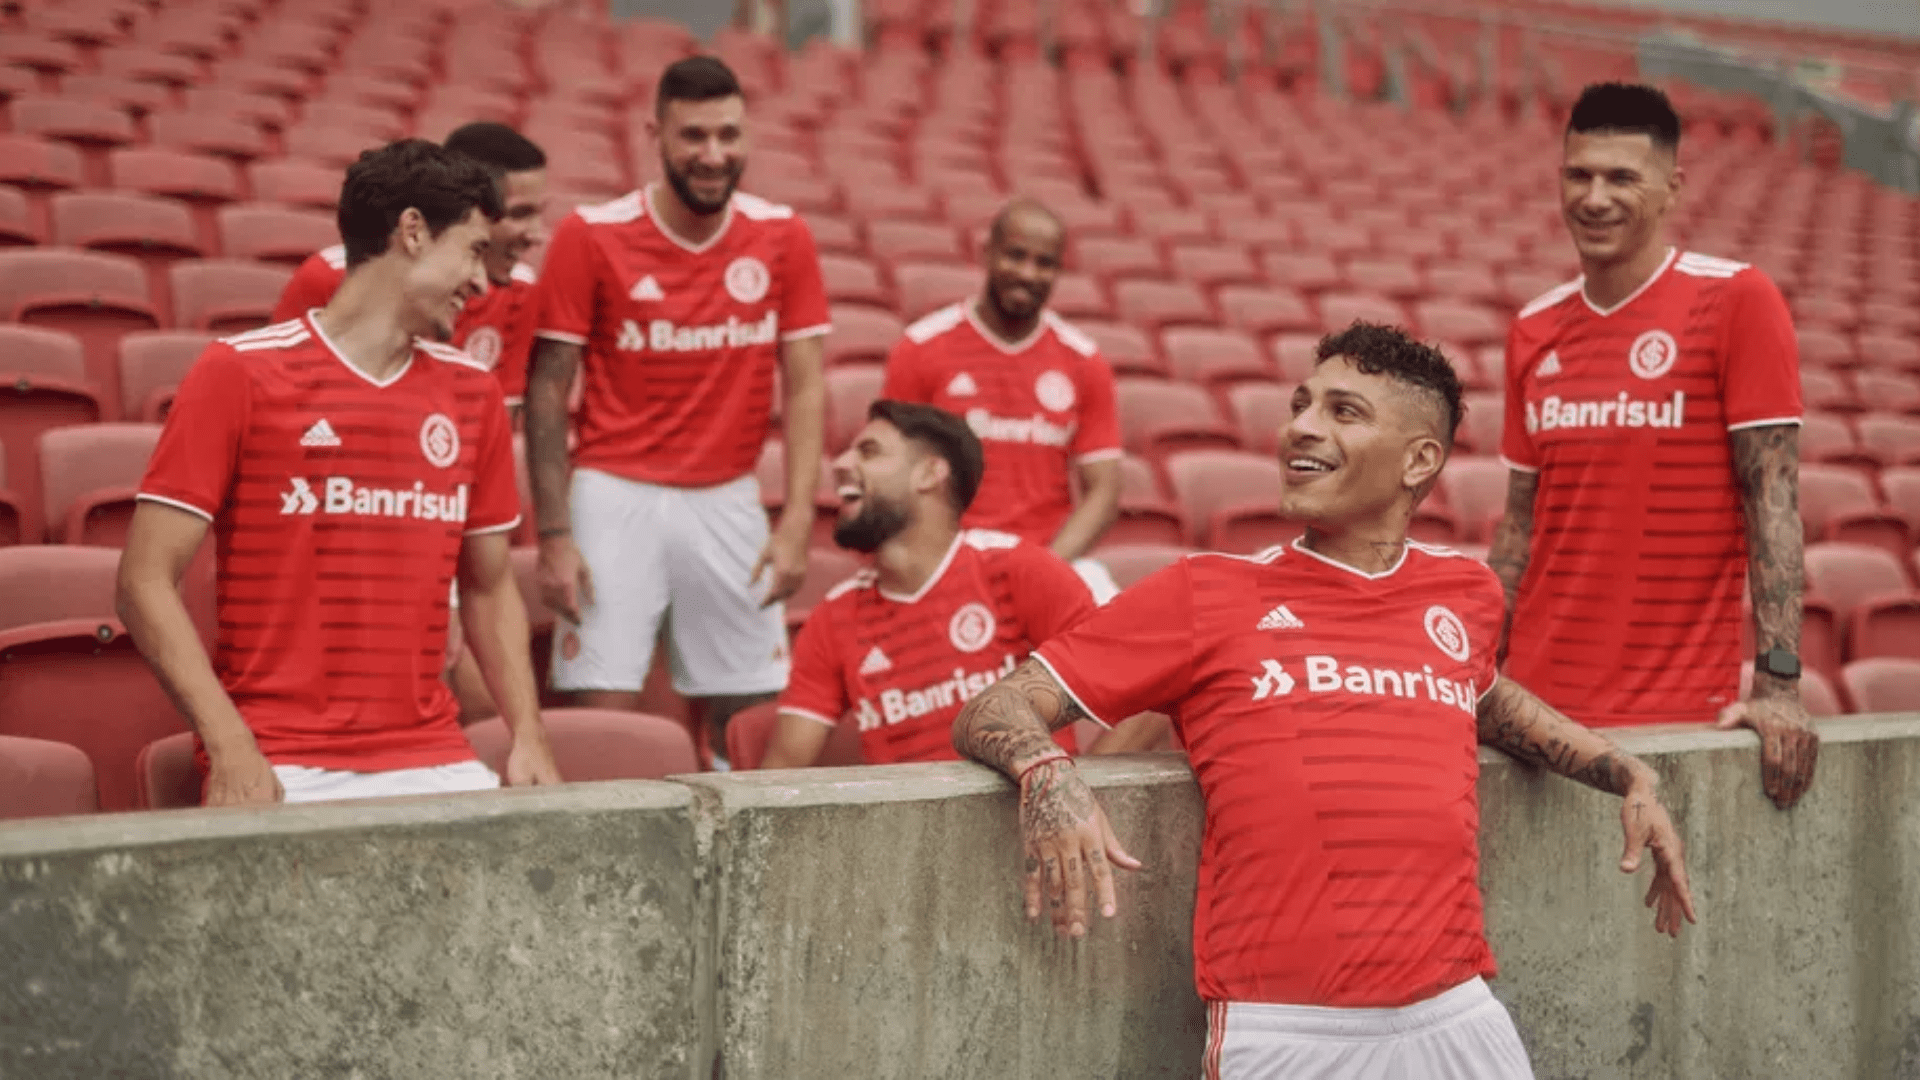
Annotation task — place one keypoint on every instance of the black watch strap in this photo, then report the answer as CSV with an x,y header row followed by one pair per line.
x,y
1778,663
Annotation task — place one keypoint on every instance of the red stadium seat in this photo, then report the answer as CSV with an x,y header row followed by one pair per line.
x,y
45,381
1827,437
226,296
1079,296
1887,627
165,776
1902,485
89,476
44,778
1173,226
44,583
268,111
750,730
1207,482
82,682
1211,265
17,225
91,126
275,234
862,334
1480,427
1825,311
135,97
1296,356
146,64
827,566
1825,347
158,232
1145,515
1158,304
913,241
1215,356
1829,491
1128,563
1108,258
851,388
1820,634
338,147
597,744
926,287
208,133
1524,284
1886,438
1158,416
1827,391
94,297
835,234
354,116
1339,310
1468,324
1888,391
1882,684
17,526
1127,349
1816,693
1264,309
1475,490
1261,411
1392,277
1849,576
152,363
853,280
1309,272
37,165
1889,352
296,184
1469,283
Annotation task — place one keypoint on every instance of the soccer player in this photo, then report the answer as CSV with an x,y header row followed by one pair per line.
x,y
1652,432
496,326
680,299
1330,695
1032,387
941,613
348,468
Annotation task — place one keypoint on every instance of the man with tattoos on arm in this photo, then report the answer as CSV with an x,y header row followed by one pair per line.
x,y
1330,695
1652,429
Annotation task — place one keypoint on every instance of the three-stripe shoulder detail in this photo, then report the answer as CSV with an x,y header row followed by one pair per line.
x,y
449,354
940,321
278,336
628,207
1555,295
1694,264
865,579
1072,336
759,209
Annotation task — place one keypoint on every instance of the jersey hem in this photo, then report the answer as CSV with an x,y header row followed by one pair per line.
x,y
561,336
1516,466
1051,670
806,714
807,332
175,503
1772,421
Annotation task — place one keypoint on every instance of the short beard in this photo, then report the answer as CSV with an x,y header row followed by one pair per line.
x,y
1008,317
678,182
875,524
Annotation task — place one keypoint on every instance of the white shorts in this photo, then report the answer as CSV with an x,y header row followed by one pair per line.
x,y
678,555
1462,1034
305,783
1098,578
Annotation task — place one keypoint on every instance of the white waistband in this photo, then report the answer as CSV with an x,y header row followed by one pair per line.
x,y
1326,1021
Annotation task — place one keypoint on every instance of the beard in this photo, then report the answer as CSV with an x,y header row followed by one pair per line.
x,y
1011,316
875,524
678,181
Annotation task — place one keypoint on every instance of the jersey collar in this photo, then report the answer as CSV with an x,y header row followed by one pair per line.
x,y
314,322
646,195
993,339
1299,545
932,579
1632,296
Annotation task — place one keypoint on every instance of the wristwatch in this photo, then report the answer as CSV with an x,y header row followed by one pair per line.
x,y
1778,663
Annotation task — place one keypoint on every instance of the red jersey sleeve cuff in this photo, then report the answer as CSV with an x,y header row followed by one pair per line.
x,y
1055,672
806,714
562,336
1771,421
1516,466
177,504
486,530
1111,453
807,332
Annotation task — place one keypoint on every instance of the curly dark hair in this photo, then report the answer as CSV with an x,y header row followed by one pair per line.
x,y
445,186
1391,351
946,435
1627,108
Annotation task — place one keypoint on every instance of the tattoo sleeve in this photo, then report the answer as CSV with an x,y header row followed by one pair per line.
x,y
1512,541
1529,729
1010,724
548,380
1766,464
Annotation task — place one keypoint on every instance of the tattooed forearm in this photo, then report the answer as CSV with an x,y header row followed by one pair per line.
x,y
1513,539
548,381
1766,463
1513,720
1008,726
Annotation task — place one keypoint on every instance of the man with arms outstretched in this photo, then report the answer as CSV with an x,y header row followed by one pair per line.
x,y
349,468
941,613
1652,429
1331,696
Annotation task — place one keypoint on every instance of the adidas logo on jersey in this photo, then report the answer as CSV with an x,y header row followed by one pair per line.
x,y
875,662
1549,366
1281,619
1324,675
962,386
664,335
320,434
647,289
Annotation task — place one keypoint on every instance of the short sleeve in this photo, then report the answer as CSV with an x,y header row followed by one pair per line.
x,y
563,298
516,345
1099,436
906,379
1760,377
1516,437
1132,655
194,463
1052,598
496,498
311,286
803,299
816,688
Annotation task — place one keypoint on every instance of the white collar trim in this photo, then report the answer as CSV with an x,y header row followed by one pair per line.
x,y
1300,545
1632,296
932,579
993,339
313,320
660,223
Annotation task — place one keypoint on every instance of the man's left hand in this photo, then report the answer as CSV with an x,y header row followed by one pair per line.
x,y
1649,827
1789,747
783,562
530,764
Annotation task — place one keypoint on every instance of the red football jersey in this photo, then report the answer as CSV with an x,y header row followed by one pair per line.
x,y
1630,609
906,664
338,507
681,341
1330,718
1040,407
495,329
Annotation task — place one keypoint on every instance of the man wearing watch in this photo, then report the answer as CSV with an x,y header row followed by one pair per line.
x,y
1652,429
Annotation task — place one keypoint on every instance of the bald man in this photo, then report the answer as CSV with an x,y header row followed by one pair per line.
x,y
1032,387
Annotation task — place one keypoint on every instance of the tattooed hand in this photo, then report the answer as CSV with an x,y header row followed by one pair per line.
x,y
1069,847
1648,826
1789,747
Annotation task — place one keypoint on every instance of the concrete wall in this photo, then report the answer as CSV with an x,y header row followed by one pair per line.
x,y
846,924
1877,16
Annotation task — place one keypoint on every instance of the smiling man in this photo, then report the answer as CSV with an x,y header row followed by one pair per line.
x,y
1652,429
349,469
1330,696
1032,387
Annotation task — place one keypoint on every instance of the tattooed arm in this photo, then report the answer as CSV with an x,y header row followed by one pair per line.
x,y
1766,462
1513,540
564,582
1067,839
1513,720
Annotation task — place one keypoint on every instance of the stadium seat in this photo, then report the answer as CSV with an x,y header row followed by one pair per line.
x,y
1829,491
1210,356
148,64
92,296
1820,636
17,526
158,232
924,287
827,566
1849,576
1475,490
862,334
1816,692
1307,271
44,583
92,127
295,184
152,363
215,134
597,744
834,234
1827,391
44,778
225,296
1207,483
851,388
38,166
18,228
89,476
43,384
1451,320
1261,411
1110,258
1825,347
1826,437
854,280
275,234
336,147
1128,563
1480,427
1212,265
1886,438
1889,352
913,241
1079,296
1465,282
1885,627
1127,349
165,775
1264,309
1154,305
1157,416
1882,684
1888,391
1397,278
750,731
1340,310
82,682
